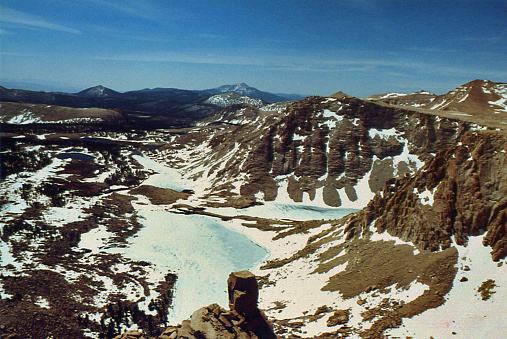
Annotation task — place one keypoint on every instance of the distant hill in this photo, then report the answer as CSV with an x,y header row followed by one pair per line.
x,y
181,95
253,92
417,99
99,92
474,97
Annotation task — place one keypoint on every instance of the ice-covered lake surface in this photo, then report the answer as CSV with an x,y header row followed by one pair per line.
x,y
202,250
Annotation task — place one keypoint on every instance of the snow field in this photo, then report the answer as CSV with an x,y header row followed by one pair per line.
x,y
296,286
465,315
384,236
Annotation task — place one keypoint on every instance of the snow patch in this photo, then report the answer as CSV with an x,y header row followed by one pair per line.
x,y
385,133
425,197
480,318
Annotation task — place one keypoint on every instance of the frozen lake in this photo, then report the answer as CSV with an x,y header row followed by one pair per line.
x,y
202,250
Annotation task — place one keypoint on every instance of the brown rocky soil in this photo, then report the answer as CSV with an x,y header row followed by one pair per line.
x,y
57,286
159,196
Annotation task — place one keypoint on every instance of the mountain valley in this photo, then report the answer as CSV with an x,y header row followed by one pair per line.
x,y
123,213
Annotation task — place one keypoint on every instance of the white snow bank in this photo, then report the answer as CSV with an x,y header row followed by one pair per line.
x,y
384,133
465,315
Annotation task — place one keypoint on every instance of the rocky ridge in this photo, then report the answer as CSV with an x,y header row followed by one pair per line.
x,y
417,99
480,101
459,193
482,96
318,149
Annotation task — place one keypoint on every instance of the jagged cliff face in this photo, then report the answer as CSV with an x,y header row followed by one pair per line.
x,y
461,192
335,152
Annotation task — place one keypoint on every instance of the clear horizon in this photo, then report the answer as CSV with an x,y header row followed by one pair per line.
x,y
360,47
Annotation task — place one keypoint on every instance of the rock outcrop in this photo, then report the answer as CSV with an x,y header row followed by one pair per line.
x,y
243,320
461,192
322,144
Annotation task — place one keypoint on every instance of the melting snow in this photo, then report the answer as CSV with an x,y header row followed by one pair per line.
x,y
330,114
42,302
392,95
25,117
425,197
502,103
384,134
463,98
465,315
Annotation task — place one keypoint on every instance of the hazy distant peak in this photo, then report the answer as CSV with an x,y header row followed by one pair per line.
x,y
238,88
99,92
244,89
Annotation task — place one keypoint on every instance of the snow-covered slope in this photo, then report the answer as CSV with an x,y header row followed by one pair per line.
x,y
232,98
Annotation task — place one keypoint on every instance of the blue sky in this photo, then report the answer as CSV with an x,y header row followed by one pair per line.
x,y
360,47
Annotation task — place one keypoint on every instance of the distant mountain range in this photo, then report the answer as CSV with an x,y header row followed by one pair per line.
x,y
147,94
160,107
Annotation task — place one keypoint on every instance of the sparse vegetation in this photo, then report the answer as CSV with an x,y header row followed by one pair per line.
x,y
13,160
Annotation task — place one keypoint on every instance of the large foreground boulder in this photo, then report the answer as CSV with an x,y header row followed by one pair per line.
x,y
242,321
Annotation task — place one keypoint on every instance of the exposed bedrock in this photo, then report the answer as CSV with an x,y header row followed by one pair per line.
x,y
461,192
243,320
333,144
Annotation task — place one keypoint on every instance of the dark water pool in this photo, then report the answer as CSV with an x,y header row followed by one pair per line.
x,y
77,156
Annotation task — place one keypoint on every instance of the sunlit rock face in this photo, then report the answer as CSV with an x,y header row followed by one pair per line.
x,y
327,151
459,193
